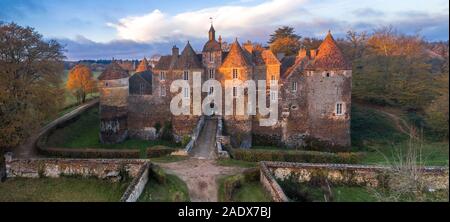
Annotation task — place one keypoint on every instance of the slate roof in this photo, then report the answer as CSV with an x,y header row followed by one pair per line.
x,y
165,63
211,46
286,63
329,56
113,71
188,59
145,75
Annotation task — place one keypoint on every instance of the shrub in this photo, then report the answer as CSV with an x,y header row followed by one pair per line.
x,y
158,174
167,131
90,153
185,140
294,156
158,151
232,183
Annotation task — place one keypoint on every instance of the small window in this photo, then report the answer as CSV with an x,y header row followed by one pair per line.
x,y
106,84
163,91
272,80
328,74
211,73
235,73
234,91
294,87
211,57
186,75
142,89
186,92
273,95
162,75
211,90
339,109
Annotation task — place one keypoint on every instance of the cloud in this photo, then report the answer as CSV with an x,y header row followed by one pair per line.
x,y
158,26
367,12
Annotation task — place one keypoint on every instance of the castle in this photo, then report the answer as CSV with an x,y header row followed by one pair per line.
x,y
314,94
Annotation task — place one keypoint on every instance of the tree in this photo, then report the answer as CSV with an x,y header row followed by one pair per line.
x,y
284,40
81,82
30,82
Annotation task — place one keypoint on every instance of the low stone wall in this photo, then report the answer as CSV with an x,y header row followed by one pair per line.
x,y
223,154
111,169
195,135
136,187
54,167
270,184
361,175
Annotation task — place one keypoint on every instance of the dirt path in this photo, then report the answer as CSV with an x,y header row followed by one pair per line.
x,y
200,177
27,150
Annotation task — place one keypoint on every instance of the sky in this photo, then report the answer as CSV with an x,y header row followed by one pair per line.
x,y
132,29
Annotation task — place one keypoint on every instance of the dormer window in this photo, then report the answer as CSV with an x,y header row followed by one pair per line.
x,y
235,73
211,73
186,75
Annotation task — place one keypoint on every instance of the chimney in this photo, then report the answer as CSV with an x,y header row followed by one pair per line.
x,y
313,53
302,53
248,46
175,51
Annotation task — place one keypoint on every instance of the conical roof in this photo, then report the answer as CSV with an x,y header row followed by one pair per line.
x,y
143,66
236,57
188,59
113,71
329,56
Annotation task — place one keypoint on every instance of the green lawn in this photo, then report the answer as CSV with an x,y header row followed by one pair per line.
x,y
376,134
173,190
65,189
248,191
84,133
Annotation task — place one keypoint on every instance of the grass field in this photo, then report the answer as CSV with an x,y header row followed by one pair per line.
x,y
376,134
174,190
84,133
65,189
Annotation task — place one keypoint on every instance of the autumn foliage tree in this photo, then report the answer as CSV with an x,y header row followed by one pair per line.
x,y
30,82
81,82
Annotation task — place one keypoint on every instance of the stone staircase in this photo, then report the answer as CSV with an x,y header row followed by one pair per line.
x,y
205,145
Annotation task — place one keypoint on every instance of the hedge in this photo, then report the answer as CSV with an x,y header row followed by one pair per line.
x,y
232,183
90,153
295,156
159,151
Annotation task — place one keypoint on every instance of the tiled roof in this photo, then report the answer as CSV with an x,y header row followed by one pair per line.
x,y
237,57
188,59
269,58
329,56
113,71
143,66
145,75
